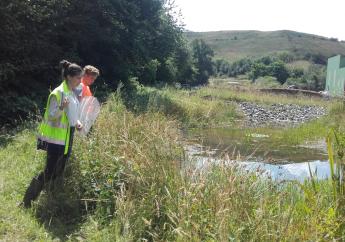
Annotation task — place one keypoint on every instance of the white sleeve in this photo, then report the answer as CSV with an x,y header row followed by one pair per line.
x,y
54,111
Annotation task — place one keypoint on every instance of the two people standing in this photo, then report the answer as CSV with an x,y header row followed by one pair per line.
x,y
59,123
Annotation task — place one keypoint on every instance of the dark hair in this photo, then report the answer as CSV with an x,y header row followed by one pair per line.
x,y
69,69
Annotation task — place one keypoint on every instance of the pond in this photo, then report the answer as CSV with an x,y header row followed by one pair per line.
x,y
254,150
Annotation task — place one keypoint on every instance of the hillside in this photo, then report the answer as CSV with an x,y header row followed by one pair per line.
x,y
234,45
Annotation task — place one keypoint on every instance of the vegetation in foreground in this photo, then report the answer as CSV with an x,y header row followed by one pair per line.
x,y
125,183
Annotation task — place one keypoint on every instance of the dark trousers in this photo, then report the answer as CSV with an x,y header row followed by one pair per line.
x,y
55,165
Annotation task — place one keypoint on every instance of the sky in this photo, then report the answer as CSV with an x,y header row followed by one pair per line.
x,y
325,18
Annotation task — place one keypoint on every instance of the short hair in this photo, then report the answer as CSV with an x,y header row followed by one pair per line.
x,y
91,70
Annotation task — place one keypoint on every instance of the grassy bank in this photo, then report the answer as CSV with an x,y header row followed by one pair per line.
x,y
124,183
227,115
247,92
182,105
216,106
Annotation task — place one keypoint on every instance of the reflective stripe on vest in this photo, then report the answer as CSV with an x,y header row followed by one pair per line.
x,y
52,141
58,131
57,125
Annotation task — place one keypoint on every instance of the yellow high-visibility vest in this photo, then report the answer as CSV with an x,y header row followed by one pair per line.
x,y
56,131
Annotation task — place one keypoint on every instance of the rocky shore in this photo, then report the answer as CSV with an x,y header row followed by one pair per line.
x,y
279,114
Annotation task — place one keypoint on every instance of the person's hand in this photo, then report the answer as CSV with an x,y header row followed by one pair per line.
x,y
79,125
64,104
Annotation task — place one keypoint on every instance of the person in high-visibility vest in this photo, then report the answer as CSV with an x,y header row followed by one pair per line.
x,y
90,75
55,133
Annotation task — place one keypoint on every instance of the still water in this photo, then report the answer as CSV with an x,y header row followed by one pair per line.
x,y
255,151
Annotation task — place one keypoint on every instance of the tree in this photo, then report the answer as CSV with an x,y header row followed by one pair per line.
x,y
258,69
221,67
286,57
202,54
184,63
240,67
267,60
296,72
149,75
316,77
123,38
168,71
279,71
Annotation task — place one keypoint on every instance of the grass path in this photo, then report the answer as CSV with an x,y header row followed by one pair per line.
x,y
52,218
17,164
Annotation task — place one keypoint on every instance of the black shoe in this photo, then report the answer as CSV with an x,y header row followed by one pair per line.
x,y
32,192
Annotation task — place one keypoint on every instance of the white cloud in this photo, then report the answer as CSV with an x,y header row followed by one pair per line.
x,y
324,18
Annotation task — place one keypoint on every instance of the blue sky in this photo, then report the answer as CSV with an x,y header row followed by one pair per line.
x,y
325,18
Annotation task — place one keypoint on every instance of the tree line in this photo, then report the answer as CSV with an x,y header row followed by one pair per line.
x,y
123,38
276,66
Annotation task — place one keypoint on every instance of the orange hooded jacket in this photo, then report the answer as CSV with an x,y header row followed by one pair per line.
x,y
86,89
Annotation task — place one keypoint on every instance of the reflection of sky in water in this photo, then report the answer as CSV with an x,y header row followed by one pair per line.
x,y
292,171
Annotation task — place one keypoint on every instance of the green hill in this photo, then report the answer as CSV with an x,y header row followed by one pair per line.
x,y
234,45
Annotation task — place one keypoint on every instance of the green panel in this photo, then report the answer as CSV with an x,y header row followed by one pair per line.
x,y
342,62
336,75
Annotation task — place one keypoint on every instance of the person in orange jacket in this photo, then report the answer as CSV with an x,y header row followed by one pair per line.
x,y
90,75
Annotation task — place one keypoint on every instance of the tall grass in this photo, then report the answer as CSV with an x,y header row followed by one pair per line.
x,y
131,179
127,182
189,109
250,93
336,148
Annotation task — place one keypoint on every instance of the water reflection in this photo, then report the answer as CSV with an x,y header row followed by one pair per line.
x,y
256,143
299,171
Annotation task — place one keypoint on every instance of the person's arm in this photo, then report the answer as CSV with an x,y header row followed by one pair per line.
x,y
88,91
78,91
79,125
55,111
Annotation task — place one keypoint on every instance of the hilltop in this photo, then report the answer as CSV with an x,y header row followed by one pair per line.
x,y
234,45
